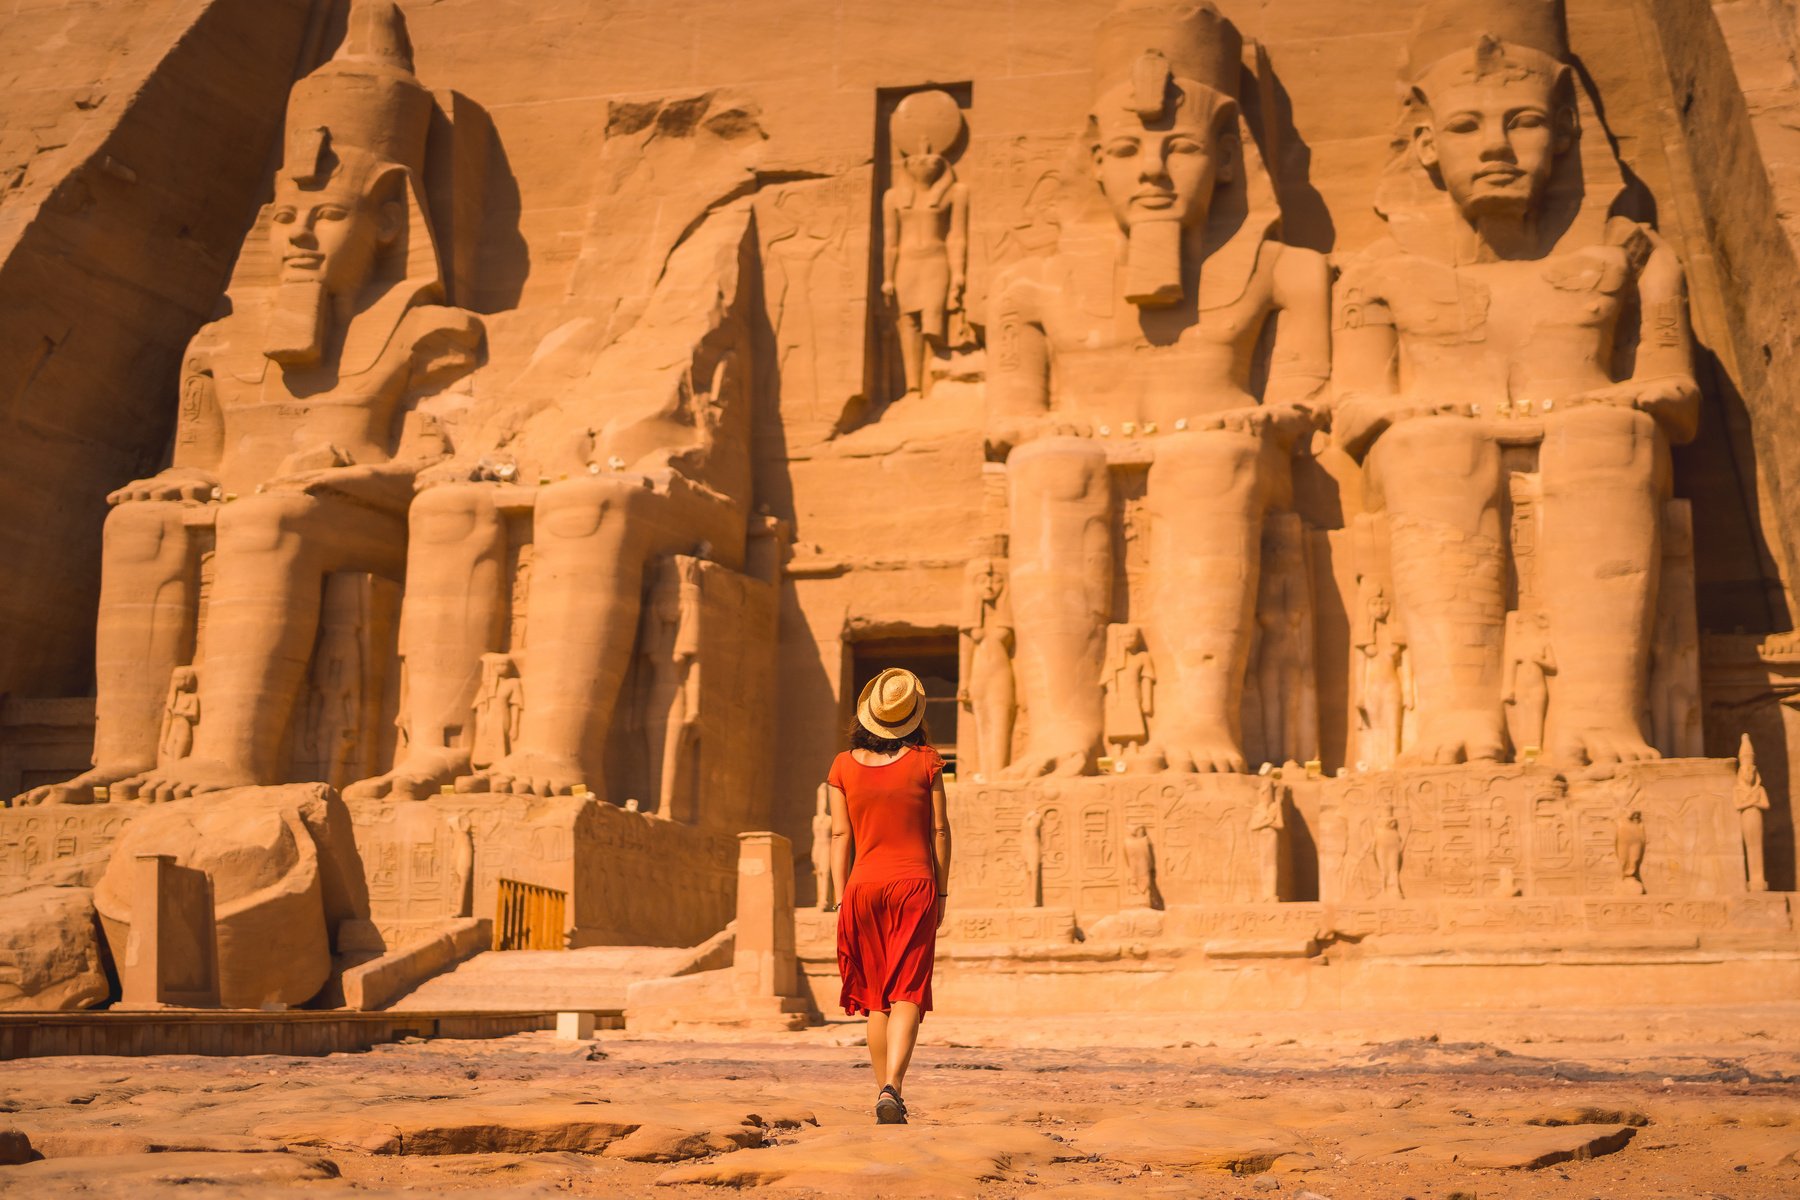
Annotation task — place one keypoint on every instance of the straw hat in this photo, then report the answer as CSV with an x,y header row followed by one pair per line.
x,y
893,703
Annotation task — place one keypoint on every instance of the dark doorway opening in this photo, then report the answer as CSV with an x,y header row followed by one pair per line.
x,y
932,657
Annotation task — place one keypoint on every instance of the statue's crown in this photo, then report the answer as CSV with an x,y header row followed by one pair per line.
x,y
1448,27
1151,43
365,102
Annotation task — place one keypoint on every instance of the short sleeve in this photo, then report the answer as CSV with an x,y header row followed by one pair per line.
x,y
836,775
934,765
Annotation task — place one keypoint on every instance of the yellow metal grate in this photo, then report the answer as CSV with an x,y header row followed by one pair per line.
x,y
529,917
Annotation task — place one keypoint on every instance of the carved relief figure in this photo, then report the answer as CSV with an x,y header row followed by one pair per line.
x,y
1505,293
1031,852
924,230
462,864
821,847
1751,800
297,411
181,712
499,705
1530,662
1384,692
1140,862
1388,843
1149,324
1266,827
1130,691
985,650
1628,844
671,655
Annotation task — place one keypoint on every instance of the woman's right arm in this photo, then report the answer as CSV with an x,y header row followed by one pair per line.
x,y
840,841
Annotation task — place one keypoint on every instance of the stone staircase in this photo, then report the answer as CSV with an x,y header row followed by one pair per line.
x,y
592,979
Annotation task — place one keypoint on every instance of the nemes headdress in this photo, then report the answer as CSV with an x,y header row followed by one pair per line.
x,y
365,104
1164,50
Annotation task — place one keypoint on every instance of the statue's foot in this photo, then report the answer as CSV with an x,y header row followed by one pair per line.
x,y
183,778
1456,737
79,790
423,772
1038,764
1612,742
1208,752
528,774
1630,886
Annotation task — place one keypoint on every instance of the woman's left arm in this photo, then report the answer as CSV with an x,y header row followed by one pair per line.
x,y
940,842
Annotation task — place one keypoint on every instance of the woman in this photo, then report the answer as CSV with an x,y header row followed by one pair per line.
x,y
888,808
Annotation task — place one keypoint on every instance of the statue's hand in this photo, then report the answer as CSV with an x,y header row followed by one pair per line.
x,y
1285,422
957,288
887,291
176,483
963,698
1358,418
1008,433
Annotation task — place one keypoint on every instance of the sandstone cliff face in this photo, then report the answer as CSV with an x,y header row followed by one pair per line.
x,y
134,141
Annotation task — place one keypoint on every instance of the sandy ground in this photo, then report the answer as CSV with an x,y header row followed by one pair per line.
x,y
1635,1104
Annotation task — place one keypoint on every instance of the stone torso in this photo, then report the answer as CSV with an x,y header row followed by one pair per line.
x,y
1516,331
1111,361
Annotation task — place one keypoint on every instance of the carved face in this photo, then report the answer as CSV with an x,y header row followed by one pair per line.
x,y
924,168
332,235
1166,168
1493,140
1379,608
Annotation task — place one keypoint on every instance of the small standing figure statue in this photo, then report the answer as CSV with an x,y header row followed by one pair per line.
x,y
499,706
1387,856
821,846
1384,695
1031,849
462,864
1529,664
1140,860
1266,825
671,642
1628,844
1130,691
924,230
1751,801
986,648
181,712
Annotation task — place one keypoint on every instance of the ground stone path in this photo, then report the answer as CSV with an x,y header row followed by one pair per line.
x,y
1638,1104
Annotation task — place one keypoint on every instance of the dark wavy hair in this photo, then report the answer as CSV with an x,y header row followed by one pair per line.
x,y
861,738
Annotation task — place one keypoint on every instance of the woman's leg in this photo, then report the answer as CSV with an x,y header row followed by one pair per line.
x,y
878,1047
901,1033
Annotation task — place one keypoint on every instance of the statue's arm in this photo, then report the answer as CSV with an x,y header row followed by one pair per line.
x,y
1300,363
890,242
957,243
965,666
1664,371
1365,362
1018,385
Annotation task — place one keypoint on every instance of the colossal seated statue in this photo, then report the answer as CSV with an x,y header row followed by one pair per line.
x,y
1511,314
1151,327
592,490
297,438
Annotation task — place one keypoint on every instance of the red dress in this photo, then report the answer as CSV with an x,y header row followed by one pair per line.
x,y
887,922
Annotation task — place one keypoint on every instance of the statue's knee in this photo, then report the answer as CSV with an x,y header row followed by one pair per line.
x,y
1058,469
576,508
453,513
1600,438
1205,463
260,524
137,530
1436,447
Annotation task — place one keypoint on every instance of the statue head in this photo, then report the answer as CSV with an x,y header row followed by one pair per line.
x,y
183,679
347,212
1746,757
1379,606
924,127
1162,135
1492,102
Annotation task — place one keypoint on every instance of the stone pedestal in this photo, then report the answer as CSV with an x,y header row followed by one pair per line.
x,y
171,956
762,988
